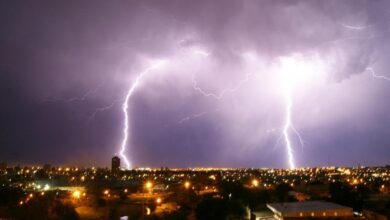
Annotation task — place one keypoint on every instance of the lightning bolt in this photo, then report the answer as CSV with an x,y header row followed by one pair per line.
x,y
125,107
287,126
291,70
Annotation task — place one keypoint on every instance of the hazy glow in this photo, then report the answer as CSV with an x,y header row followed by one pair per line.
x,y
76,194
148,185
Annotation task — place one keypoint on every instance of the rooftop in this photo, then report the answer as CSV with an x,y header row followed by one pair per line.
x,y
288,207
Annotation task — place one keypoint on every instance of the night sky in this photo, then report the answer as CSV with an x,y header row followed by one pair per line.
x,y
66,67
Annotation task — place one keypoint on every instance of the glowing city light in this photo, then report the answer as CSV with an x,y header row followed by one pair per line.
x,y
46,187
187,184
148,185
76,194
148,211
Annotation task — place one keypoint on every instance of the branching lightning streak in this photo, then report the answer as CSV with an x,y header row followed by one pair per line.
x,y
371,70
187,118
103,108
223,92
84,98
301,141
74,99
125,107
357,28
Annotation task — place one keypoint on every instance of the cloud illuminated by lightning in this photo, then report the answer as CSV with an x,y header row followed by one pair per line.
x,y
196,87
220,95
125,107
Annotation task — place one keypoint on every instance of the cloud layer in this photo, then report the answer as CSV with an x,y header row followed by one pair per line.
x,y
65,68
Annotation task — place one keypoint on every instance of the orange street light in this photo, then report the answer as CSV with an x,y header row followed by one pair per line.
x,y
76,194
255,183
187,184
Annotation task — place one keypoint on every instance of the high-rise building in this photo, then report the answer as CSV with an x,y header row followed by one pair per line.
x,y
115,164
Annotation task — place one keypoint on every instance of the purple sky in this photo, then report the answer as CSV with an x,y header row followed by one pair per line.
x,y
62,61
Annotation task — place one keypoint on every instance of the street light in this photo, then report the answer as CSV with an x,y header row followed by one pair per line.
x,y
255,183
148,185
187,184
76,194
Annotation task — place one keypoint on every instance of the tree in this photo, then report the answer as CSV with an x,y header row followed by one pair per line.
x,y
63,211
281,192
211,209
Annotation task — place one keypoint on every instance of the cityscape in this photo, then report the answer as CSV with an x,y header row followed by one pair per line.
x,y
194,110
195,193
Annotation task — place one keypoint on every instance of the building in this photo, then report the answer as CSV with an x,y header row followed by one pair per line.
x,y
311,209
46,167
115,164
262,215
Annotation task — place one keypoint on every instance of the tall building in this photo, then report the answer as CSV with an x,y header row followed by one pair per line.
x,y
115,164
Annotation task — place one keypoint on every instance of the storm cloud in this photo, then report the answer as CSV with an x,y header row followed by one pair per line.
x,y
65,68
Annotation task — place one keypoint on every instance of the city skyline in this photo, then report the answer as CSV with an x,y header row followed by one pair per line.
x,y
172,84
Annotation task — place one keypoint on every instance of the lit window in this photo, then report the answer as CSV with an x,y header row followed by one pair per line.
x,y
301,214
312,214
